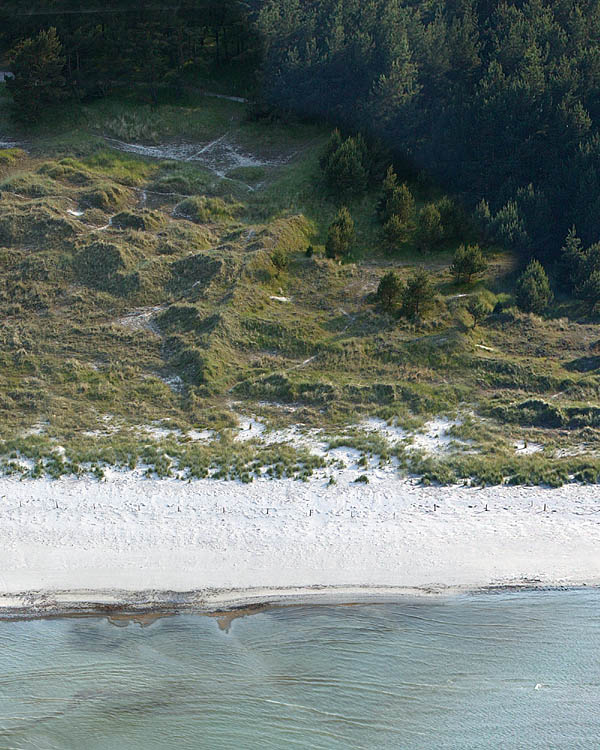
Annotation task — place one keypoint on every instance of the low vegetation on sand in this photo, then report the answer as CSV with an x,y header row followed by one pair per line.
x,y
150,301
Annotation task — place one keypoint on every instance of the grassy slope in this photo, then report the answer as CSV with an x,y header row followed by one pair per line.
x,y
168,314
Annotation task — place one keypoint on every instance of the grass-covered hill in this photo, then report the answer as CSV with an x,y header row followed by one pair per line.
x,y
155,286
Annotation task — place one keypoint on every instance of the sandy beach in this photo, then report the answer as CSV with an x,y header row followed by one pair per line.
x,y
77,543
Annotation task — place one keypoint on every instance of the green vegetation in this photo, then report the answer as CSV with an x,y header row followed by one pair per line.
x,y
533,293
38,81
468,262
157,307
341,235
245,264
478,94
389,290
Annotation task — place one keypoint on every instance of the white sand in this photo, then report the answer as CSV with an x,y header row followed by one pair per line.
x,y
130,534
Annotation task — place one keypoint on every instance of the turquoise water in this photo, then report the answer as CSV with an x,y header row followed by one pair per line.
x,y
519,670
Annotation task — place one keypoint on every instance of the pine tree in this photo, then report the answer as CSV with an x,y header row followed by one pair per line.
x,y
429,228
572,262
389,290
333,144
37,65
401,203
468,262
533,293
396,231
389,184
418,295
340,236
345,169
589,290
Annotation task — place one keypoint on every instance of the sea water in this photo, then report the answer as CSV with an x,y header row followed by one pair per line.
x,y
511,670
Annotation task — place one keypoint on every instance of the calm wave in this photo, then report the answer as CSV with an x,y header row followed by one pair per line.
x,y
518,670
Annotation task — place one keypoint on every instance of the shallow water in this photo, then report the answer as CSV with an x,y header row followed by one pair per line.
x,y
518,670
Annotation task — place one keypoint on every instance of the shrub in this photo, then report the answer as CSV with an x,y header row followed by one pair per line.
x,y
144,220
589,290
453,218
333,144
38,81
106,197
571,262
397,200
29,185
10,156
479,307
390,183
508,228
101,265
533,293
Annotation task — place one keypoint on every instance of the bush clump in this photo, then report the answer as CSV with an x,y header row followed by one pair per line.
x,y
67,170
102,264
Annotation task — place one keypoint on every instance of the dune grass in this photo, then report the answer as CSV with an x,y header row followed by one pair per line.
x,y
138,290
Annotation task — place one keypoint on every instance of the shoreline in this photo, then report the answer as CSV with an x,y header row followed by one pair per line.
x,y
152,605
136,545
